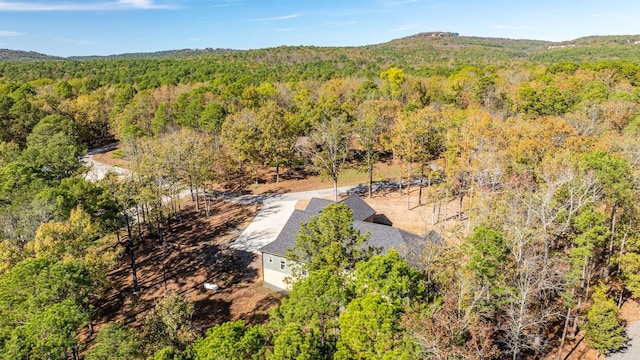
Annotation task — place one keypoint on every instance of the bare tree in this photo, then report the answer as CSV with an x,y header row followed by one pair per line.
x,y
374,118
328,148
530,307
416,137
564,191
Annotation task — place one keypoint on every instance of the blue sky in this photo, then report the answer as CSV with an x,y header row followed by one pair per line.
x,y
103,27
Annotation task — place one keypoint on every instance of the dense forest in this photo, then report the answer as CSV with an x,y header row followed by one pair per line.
x,y
536,141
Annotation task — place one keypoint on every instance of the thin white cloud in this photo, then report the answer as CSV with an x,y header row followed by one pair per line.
x,y
278,18
285,29
405,27
225,3
82,6
142,4
10,33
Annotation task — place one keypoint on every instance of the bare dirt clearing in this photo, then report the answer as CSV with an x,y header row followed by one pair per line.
x,y
110,158
195,251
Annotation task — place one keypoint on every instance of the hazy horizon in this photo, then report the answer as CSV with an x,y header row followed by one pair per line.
x,y
94,27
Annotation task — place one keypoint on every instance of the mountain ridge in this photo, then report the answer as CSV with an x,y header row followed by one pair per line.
x,y
514,48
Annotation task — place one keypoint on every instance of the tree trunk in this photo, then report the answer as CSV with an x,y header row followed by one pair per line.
x,y
370,173
134,271
620,298
564,333
585,279
164,268
611,237
277,171
622,244
198,197
400,179
128,223
446,208
207,202
408,184
421,184
191,188
433,214
159,229
441,197
335,188
145,212
138,219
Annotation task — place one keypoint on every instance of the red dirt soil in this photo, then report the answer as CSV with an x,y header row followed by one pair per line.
x,y
194,251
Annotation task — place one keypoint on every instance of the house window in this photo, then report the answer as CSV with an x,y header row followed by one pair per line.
x,y
282,265
270,258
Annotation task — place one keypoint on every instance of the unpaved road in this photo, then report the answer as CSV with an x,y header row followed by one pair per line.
x,y
98,170
632,351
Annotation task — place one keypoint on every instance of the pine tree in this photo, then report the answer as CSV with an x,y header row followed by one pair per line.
x,y
603,329
330,242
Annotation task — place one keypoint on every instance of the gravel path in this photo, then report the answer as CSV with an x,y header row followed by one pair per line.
x,y
98,170
632,351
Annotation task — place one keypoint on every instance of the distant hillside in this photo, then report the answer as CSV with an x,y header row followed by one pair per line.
x,y
592,48
18,55
416,51
424,54
445,49
167,54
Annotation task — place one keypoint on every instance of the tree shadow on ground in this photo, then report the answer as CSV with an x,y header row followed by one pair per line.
x,y
195,251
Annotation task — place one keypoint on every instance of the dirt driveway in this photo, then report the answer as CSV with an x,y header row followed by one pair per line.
x,y
632,351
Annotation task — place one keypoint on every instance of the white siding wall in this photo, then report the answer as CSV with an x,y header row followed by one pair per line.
x,y
274,270
275,278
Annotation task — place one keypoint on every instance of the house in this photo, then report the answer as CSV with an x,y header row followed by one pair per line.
x,y
276,268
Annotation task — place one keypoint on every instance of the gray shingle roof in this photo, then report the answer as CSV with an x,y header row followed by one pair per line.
x,y
408,245
361,210
316,205
287,236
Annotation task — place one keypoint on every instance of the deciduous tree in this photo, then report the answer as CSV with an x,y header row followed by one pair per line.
x,y
328,148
